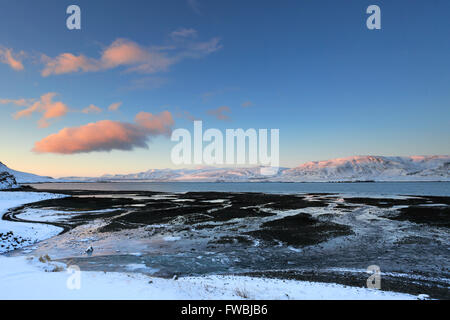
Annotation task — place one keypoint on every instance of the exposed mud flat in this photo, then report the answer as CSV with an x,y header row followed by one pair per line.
x,y
286,236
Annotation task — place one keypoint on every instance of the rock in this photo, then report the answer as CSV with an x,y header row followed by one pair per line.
x,y
89,250
7,181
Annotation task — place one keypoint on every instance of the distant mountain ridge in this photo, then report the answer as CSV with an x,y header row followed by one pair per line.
x,y
356,168
377,168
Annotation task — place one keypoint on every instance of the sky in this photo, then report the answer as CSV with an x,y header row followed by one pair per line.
x,y
105,99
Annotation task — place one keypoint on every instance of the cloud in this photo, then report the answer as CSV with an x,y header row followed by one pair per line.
x,y
17,102
67,63
92,109
201,49
107,135
7,57
114,106
132,56
156,124
127,53
121,52
247,104
186,115
47,107
184,33
221,113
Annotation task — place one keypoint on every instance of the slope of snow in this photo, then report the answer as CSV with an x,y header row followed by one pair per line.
x,y
22,278
14,235
23,177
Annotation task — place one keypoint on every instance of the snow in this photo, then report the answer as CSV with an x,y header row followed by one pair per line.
x,y
25,278
171,238
23,177
357,168
25,233
378,168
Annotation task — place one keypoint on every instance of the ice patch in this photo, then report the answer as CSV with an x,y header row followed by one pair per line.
x,y
171,238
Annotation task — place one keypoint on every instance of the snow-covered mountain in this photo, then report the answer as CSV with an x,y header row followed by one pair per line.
x,y
23,177
378,168
359,168
204,174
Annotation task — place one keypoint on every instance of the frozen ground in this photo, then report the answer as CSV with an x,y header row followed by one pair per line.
x,y
115,225
22,278
14,235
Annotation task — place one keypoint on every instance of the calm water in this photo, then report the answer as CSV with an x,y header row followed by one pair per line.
x,y
378,188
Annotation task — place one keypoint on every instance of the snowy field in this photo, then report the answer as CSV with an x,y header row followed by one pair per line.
x,y
15,235
26,277
22,278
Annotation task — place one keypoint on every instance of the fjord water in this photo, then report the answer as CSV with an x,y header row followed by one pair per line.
x,y
360,188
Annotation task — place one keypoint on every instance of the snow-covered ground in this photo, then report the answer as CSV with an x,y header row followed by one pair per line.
x,y
22,278
14,235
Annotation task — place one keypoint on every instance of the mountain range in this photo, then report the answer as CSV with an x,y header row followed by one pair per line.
x,y
356,168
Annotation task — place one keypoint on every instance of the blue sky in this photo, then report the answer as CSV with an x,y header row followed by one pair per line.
x,y
310,68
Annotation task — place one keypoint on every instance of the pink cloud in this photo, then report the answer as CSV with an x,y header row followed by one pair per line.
x,y
67,63
6,57
91,109
46,106
114,106
155,124
107,135
221,113
18,102
129,54
121,52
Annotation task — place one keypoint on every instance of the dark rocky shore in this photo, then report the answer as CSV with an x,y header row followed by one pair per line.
x,y
314,237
